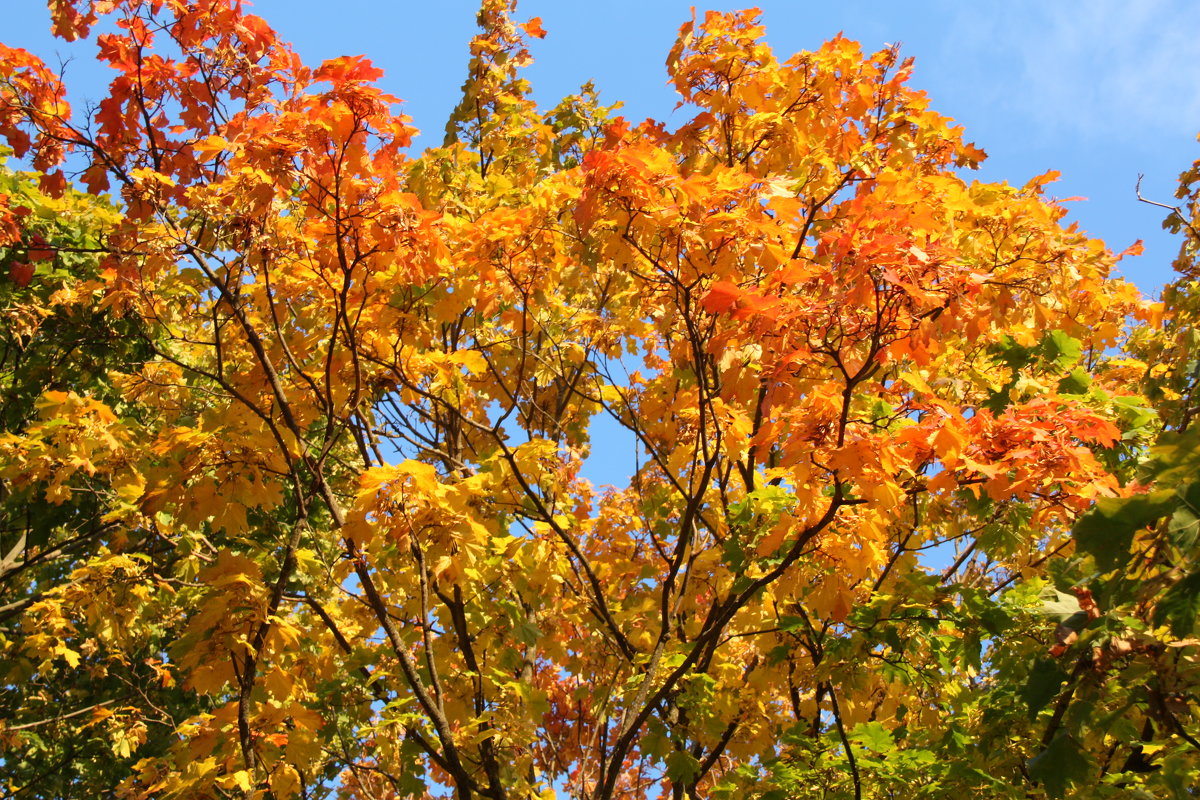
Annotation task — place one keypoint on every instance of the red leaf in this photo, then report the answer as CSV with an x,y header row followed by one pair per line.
x,y
53,183
39,249
21,273
722,297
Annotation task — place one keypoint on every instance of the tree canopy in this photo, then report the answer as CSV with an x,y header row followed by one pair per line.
x,y
295,495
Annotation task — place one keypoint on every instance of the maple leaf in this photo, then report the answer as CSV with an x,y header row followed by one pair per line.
x,y
722,297
534,28
20,273
347,69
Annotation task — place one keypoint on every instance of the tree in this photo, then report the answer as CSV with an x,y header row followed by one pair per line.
x,y
339,482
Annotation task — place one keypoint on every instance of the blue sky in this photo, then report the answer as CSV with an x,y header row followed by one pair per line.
x,y
1101,90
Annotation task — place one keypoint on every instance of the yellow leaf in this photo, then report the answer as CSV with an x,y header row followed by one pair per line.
x,y
612,395
278,683
241,779
841,606
147,174
917,382
949,442
130,487
424,476
209,148
69,655
472,360
285,782
302,746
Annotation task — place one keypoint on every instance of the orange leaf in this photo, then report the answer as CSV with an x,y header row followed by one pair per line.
x,y
357,69
534,28
722,297
1135,249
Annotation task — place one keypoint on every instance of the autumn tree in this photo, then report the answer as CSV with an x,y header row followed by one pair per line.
x,y
342,541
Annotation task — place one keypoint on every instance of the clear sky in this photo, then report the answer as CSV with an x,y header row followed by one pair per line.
x,y
1101,90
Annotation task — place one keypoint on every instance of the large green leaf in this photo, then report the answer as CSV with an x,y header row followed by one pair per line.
x,y
1175,457
682,767
1063,763
1185,522
1060,349
1180,606
1106,532
1043,684
1062,607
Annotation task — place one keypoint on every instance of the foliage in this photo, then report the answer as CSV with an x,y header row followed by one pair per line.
x,y
60,339
1134,678
325,455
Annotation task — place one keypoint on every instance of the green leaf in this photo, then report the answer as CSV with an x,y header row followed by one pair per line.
x,y
655,742
1076,383
1180,605
790,623
1179,776
1011,354
1185,522
528,633
1060,349
1062,607
1133,411
1175,457
733,554
995,620
873,736
1060,765
536,700
1106,532
1043,684
682,767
